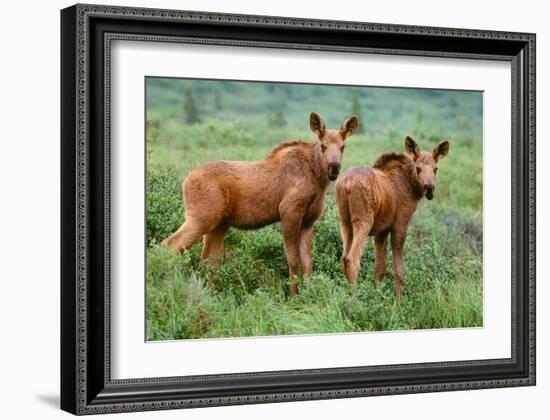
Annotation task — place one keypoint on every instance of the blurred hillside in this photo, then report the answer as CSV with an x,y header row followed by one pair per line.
x,y
288,105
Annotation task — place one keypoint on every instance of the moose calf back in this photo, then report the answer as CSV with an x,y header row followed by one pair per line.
x,y
365,195
240,194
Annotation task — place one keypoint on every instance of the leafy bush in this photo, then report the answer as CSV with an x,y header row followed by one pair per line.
x,y
164,205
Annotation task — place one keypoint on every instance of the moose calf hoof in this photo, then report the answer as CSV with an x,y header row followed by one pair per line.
x,y
350,270
293,290
398,293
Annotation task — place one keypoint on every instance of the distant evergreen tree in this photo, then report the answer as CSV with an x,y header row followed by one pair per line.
x,y
190,110
278,116
356,108
287,89
453,101
217,101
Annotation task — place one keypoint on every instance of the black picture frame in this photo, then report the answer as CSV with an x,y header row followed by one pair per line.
x,y
86,33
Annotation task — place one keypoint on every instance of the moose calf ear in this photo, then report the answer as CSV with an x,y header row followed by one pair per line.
x,y
349,126
412,148
317,124
440,150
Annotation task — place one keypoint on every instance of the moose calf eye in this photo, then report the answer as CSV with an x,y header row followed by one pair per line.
x,y
418,170
323,148
435,171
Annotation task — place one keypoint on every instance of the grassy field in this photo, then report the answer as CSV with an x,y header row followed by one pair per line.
x,y
443,253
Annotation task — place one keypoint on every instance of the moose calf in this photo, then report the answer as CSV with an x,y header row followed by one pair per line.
x,y
289,185
378,200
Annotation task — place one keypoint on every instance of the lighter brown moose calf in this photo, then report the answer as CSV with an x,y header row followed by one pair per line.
x,y
289,185
379,200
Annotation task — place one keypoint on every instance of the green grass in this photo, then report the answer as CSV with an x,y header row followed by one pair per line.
x,y
443,253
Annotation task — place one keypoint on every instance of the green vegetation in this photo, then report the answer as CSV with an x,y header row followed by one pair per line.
x,y
443,275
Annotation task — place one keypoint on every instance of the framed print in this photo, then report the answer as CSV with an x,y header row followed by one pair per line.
x,y
260,209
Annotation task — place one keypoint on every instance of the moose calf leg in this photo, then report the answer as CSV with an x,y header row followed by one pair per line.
x,y
397,244
305,249
352,261
212,249
380,241
347,237
291,227
185,236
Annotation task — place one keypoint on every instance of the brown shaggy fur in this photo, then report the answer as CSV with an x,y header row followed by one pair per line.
x,y
380,200
289,185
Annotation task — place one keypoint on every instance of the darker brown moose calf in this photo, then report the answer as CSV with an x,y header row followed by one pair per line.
x,y
289,185
379,200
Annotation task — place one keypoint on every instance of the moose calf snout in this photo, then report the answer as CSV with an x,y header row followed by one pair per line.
x,y
333,170
429,191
